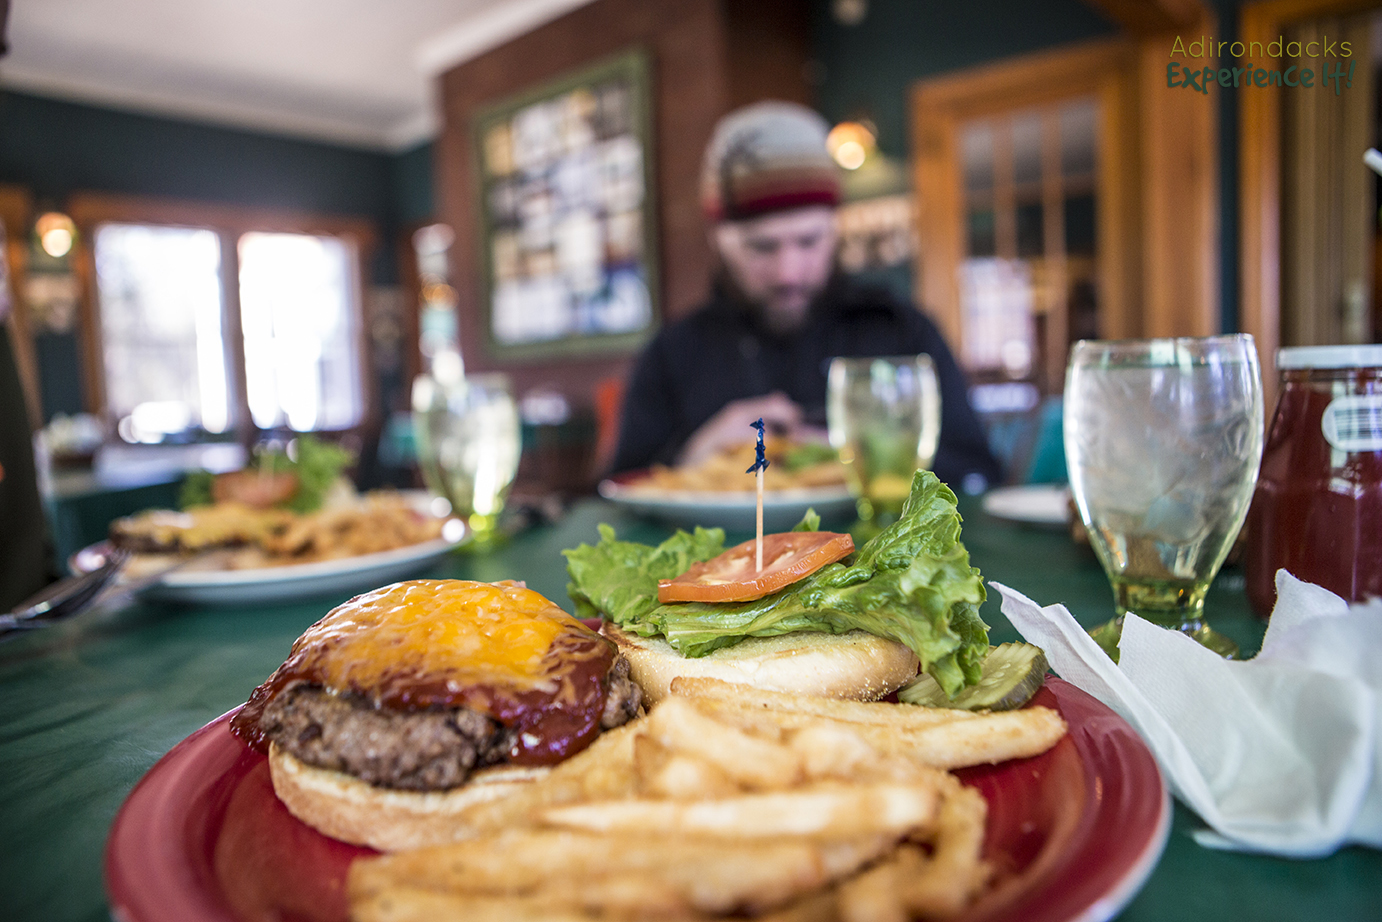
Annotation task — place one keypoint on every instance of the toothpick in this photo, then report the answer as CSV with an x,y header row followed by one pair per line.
x,y
760,464
758,542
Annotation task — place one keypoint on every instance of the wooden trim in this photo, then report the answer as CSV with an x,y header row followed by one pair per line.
x,y
1118,223
410,282
91,210
233,332
940,224
1104,69
1149,17
1020,82
1259,160
1053,236
371,410
83,262
16,213
1180,178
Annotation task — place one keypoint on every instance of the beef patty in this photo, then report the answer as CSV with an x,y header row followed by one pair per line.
x,y
428,750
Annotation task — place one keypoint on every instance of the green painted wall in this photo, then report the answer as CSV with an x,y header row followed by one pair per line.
x,y
55,148
410,183
865,69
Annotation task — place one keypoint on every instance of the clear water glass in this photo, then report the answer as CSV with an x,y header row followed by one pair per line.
x,y
884,418
468,443
1163,438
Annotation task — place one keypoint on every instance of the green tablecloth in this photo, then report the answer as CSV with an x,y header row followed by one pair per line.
x,y
90,705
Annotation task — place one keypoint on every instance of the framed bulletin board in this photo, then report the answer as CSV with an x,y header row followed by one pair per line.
x,y
566,200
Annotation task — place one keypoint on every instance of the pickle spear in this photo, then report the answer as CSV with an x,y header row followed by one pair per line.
x,y
1013,673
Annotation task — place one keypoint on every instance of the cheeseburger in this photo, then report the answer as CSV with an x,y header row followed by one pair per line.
x,y
408,705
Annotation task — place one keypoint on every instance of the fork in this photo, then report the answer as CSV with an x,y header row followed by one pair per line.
x,y
65,597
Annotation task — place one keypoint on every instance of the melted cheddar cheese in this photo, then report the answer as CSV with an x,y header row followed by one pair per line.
x,y
453,631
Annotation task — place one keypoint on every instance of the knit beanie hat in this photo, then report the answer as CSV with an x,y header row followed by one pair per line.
x,y
769,156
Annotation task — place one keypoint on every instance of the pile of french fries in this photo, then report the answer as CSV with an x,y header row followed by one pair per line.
x,y
724,472
255,538
726,801
375,522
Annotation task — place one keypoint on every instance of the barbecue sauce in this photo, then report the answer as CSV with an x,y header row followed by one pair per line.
x,y
1317,509
499,649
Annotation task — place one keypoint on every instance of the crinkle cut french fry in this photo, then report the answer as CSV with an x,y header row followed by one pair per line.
x,y
611,898
875,896
407,904
604,769
663,772
988,739
715,876
820,906
916,733
832,750
823,809
746,698
911,883
956,871
753,762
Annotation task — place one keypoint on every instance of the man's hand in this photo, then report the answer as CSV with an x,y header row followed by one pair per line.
x,y
733,425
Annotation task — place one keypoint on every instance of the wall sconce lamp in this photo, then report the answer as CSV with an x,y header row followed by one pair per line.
x,y
850,144
56,233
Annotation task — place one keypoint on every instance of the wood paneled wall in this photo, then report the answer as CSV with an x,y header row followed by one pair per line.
x,y
706,57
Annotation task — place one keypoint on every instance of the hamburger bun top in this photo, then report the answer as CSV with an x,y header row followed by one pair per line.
x,y
855,665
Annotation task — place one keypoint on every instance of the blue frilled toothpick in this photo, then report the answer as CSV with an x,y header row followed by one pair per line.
x,y
760,464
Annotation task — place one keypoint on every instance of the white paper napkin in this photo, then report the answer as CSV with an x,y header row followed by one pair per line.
x,y
1278,754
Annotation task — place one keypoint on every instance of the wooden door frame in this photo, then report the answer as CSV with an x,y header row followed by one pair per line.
x,y
17,214
1259,160
1105,69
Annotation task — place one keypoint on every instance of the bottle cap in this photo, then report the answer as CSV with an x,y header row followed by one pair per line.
x,y
1329,357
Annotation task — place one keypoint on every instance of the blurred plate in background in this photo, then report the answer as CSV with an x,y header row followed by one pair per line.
x,y
1043,504
782,509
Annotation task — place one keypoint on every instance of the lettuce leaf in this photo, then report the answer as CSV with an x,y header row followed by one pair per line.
x,y
316,463
196,490
620,576
911,583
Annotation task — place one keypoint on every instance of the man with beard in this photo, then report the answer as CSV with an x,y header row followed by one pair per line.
x,y
779,311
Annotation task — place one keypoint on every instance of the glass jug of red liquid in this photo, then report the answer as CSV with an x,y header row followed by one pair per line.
x,y
1317,509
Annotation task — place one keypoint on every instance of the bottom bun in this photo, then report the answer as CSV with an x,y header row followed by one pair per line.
x,y
855,665
346,808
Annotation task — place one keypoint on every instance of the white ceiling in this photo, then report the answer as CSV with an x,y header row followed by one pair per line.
x,y
358,72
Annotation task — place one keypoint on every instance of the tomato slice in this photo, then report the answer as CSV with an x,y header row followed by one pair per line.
x,y
732,576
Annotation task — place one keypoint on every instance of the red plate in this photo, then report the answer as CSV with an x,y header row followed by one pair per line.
x,y
1074,832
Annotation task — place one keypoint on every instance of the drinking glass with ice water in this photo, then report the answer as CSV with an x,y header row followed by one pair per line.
x,y
1163,438
884,417
468,443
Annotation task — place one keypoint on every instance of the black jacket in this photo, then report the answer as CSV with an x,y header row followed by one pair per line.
x,y
718,354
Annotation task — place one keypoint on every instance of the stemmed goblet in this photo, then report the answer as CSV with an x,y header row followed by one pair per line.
x,y
1163,439
468,440
884,417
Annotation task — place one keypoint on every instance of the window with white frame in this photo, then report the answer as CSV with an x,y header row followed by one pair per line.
x,y
179,361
